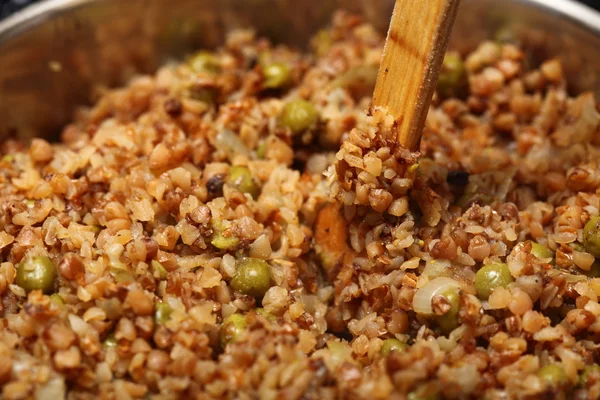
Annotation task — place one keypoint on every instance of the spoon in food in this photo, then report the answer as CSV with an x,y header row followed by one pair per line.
x,y
412,58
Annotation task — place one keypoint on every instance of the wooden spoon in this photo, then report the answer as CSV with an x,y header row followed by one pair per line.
x,y
412,57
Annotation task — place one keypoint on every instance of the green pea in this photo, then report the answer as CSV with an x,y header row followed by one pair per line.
x,y
553,375
162,313
490,277
219,240
252,277
392,344
232,328
589,371
36,273
241,178
110,342
159,271
277,75
453,76
204,62
541,251
449,321
591,236
299,115
29,203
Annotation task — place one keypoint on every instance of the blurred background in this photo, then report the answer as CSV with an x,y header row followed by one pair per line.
x,y
8,7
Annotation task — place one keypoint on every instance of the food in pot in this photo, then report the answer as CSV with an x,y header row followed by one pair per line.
x,y
242,225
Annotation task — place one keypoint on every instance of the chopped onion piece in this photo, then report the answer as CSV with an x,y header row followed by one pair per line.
x,y
435,268
574,278
229,143
424,296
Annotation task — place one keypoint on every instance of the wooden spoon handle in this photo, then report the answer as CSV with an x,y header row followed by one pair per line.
x,y
412,57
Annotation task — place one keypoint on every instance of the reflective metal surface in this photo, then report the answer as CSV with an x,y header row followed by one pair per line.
x,y
52,53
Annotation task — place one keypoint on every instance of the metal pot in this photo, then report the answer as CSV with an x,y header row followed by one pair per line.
x,y
52,53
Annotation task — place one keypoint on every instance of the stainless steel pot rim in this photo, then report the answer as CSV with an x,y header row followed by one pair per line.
x,y
577,12
34,14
